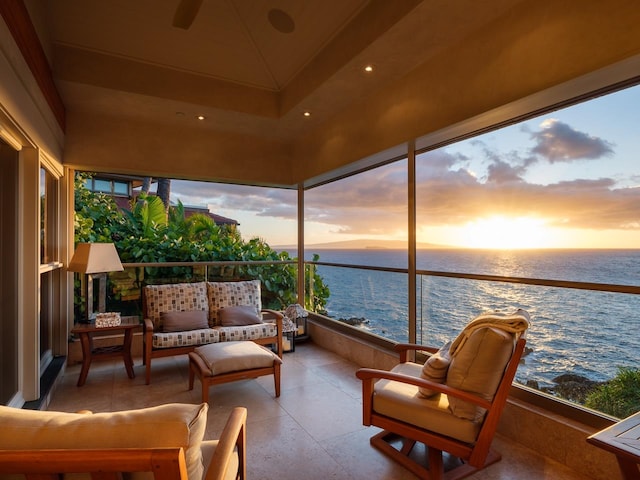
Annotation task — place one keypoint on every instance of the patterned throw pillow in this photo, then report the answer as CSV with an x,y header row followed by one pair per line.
x,y
435,369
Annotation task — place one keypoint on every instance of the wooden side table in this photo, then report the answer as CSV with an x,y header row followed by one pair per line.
x,y
623,440
86,331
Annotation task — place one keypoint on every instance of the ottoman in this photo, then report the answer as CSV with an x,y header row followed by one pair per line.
x,y
229,361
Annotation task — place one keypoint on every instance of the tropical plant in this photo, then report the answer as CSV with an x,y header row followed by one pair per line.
x,y
619,396
144,234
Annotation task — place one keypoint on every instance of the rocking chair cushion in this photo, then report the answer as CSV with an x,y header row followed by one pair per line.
x,y
403,402
478,368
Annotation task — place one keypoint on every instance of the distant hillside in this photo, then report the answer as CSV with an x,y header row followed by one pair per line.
x,y
362,244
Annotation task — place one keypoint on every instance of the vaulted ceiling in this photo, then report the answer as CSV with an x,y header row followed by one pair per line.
x,y
248,66
134,76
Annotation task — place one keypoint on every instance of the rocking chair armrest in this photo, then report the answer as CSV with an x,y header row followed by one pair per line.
x,y
404,348
367,375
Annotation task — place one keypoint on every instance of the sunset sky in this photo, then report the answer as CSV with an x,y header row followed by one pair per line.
x,y
569,179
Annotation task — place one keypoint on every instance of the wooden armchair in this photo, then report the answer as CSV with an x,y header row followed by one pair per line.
x,y
454,420
104,459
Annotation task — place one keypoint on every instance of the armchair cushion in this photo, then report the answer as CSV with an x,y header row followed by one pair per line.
x,y
169,425
184,321
209,448
229,294
238,315
478,367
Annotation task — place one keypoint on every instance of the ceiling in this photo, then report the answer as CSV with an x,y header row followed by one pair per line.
x,y
245,73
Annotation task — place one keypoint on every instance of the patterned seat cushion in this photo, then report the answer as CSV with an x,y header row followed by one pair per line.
x,y
231,294
247,332
185,339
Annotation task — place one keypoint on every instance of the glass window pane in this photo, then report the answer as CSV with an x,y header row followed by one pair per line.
x,y
43,215
121,188
555,197
362,220
102,185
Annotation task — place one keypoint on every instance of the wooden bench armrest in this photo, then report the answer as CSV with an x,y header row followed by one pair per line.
x,y
278,321
148,325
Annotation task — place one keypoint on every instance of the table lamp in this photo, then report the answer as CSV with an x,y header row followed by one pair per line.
x,y
95,260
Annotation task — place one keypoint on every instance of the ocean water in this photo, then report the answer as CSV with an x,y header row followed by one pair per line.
x,y
581,332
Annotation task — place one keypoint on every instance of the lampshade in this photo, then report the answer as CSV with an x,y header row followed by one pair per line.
x,y
95,258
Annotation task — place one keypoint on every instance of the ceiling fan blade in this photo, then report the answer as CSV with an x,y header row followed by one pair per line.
x,y
186,13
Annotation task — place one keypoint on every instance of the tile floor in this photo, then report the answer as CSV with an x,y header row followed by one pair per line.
x,y
313,431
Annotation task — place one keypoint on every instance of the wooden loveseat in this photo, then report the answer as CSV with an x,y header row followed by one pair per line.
x,y
163,442
179,317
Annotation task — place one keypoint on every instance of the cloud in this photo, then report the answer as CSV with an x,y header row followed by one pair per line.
x,y
559,142
224,199
502,172
449,191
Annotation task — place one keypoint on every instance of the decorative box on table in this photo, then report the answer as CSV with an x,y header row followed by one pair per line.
x,y
108,319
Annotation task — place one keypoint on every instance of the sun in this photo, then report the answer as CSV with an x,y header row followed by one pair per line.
x,y
506,233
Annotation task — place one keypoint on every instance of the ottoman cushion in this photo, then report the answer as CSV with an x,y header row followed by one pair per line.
x,y
235,356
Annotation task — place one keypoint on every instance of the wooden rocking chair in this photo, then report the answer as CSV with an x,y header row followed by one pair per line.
x,y
456,420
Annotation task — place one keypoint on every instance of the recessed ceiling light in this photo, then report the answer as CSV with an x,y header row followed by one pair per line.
x,y
307,114
201,117
368,68
180,114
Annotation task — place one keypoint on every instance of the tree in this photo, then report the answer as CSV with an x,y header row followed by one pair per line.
x,y
164,192
146,185
146,234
